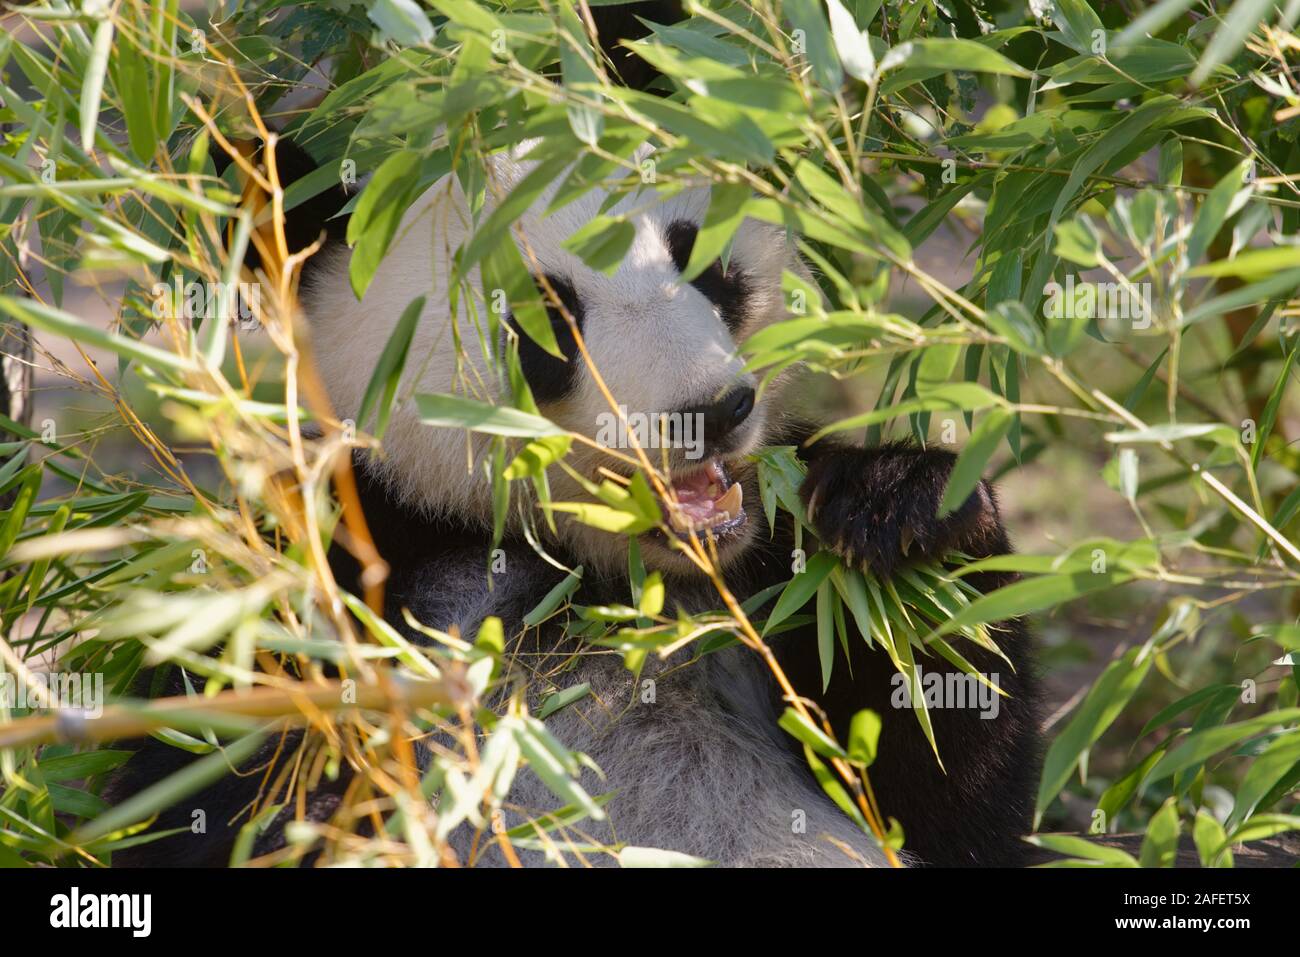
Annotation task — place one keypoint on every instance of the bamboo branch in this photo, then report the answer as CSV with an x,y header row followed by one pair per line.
x,y
229,710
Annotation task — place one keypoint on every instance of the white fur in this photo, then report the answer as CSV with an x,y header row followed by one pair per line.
x,y
702,769
658,343
699,765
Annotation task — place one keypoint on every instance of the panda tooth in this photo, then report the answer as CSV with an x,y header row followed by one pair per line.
x,y
729,504
677,520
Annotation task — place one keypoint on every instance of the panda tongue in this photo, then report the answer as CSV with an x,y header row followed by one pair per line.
x,y
700,497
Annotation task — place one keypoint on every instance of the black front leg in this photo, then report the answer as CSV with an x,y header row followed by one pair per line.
x,y
879,507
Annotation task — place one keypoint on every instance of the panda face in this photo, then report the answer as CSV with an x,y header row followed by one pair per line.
x,y
665,350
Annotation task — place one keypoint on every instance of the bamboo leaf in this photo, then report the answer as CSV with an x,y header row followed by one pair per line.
x,y
970,464
453,411
92,89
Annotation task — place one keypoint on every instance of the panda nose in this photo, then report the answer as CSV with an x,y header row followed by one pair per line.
x,y
724,416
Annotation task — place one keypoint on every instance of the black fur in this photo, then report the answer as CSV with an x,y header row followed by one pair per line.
x,y
623,22
549,377
314,218
226,805
972,815
875,506
727,289
975,813
879,506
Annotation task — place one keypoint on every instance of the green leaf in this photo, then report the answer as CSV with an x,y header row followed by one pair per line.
x,y
825,632
1284,283
378,213
1077,241
1275,763
470,14
905,662
1030,595
538,747
562,699
1012,321
607,518
962,396
1160,844
1107,697
652,595
800,588
1172,711
834,789
1151,21
170,790
1251,264
970,464
535,457
805,732
92,89
12,524
1083,849
725,213
383,381
1197,747
602,243
504,270
852,45
1222,201
1269,416
496,227
1110,145
1263,826
864,737
71,767
457,412
950,53
631,856
554,598
401,21
60,323
819,51
132,83
1245,17
1077,22
576,59
1221,434
1210,836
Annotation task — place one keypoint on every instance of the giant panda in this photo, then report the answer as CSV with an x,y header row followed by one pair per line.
x,y
702,767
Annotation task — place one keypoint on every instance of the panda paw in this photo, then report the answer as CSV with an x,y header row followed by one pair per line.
x,y
878,508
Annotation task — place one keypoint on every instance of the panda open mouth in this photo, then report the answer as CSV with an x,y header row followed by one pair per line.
x,y
707,500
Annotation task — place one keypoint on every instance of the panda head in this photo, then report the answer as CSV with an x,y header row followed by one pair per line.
x,y
666,351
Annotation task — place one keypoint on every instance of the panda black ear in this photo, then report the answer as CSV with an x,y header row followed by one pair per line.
x,y
305,222
618,22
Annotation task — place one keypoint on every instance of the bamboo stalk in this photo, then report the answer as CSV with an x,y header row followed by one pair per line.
x,y
226,710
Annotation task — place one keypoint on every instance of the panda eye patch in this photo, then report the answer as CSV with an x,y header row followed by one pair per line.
x,y
681,241
550,378
567,295
728,291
